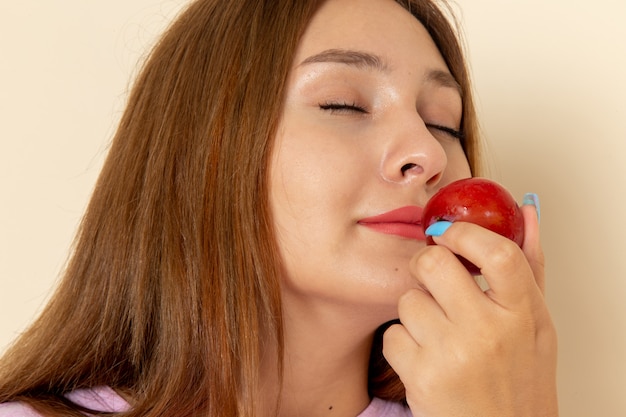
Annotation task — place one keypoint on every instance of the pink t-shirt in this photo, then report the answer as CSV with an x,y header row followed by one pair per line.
x,y
107,400
99,398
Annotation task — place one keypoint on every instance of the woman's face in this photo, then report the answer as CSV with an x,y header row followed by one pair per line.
x,y
365,132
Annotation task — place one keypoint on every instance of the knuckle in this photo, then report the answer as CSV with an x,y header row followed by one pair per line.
x,y
431,260
489,342
389,338
406,303
397,345
504,256
408,298
493,346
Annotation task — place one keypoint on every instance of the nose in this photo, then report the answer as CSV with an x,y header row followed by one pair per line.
x,y
412,154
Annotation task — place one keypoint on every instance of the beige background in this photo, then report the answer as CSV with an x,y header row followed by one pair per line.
x,y
551,83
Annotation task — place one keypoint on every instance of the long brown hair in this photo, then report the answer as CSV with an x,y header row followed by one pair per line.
x,y
173,283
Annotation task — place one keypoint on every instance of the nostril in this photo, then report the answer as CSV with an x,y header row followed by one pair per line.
x,y
408,167
434,180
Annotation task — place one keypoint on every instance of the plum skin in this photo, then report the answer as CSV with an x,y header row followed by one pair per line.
x,y
480,201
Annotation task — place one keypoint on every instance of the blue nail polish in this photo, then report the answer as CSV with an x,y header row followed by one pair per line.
x,y
437,228
532,199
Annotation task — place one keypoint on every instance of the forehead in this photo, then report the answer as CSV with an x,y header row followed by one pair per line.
x,y
381,27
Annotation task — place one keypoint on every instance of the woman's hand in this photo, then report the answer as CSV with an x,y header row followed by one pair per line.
x,y
463,352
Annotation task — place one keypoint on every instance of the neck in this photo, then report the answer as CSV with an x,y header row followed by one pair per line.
x,y
325,364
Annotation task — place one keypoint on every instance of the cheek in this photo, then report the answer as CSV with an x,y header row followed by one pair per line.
x,y
315,189
299,184
458,165
312,173
301,192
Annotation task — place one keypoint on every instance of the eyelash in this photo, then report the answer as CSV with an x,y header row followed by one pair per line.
x,y
457,134
338,107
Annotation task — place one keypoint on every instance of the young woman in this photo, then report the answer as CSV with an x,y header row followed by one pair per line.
x,y
253,235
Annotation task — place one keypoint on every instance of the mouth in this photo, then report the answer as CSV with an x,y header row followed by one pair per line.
x,y
405,222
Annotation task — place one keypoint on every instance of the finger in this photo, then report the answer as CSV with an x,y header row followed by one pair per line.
x,y
400,350
447,280
502,263
532,243
420,314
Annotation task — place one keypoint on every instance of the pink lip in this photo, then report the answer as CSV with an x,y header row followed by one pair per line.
x,y
404,221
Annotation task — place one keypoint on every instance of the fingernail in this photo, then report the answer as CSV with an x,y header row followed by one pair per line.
x,y
532,199
437,228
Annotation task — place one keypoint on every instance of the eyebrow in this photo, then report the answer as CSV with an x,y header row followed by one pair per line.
x,y
367,60
349,57
444,79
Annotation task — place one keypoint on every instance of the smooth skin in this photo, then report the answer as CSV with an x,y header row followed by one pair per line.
x,y
358,138
464,352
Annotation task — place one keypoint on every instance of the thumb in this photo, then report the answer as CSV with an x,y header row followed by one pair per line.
x,y
532,243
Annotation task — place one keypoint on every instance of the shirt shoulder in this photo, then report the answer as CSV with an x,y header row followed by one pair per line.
x,y
17,409
102,399
383,408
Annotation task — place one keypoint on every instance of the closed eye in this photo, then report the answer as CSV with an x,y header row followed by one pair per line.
x,y
457,134
343,107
